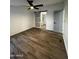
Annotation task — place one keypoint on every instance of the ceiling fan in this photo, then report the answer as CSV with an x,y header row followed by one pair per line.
x,y
33,6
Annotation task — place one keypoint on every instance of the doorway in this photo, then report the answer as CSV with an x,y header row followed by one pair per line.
x,y
43,20
40,19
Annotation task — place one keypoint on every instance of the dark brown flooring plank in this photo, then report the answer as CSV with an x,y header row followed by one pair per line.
x,y
47,39
40,44
31,51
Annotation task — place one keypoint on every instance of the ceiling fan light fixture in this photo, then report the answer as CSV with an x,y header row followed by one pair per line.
x,y
31,7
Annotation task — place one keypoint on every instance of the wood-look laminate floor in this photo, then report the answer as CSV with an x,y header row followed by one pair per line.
x,y
37,44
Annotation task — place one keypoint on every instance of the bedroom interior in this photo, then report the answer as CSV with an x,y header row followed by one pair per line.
x,y
38,29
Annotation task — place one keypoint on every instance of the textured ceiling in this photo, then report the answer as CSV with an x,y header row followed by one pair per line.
x,y
24,2
47,2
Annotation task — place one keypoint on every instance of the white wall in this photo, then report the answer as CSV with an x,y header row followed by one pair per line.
x,y
50,14
20,19
49,20
65,27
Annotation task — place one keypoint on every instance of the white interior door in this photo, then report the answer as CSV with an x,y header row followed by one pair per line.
x,y
58,21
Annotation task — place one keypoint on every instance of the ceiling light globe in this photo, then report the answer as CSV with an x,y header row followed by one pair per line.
x,y
32,7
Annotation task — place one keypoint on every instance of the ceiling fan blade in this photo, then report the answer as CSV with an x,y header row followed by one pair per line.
x,y
36,8
30,2
38,5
